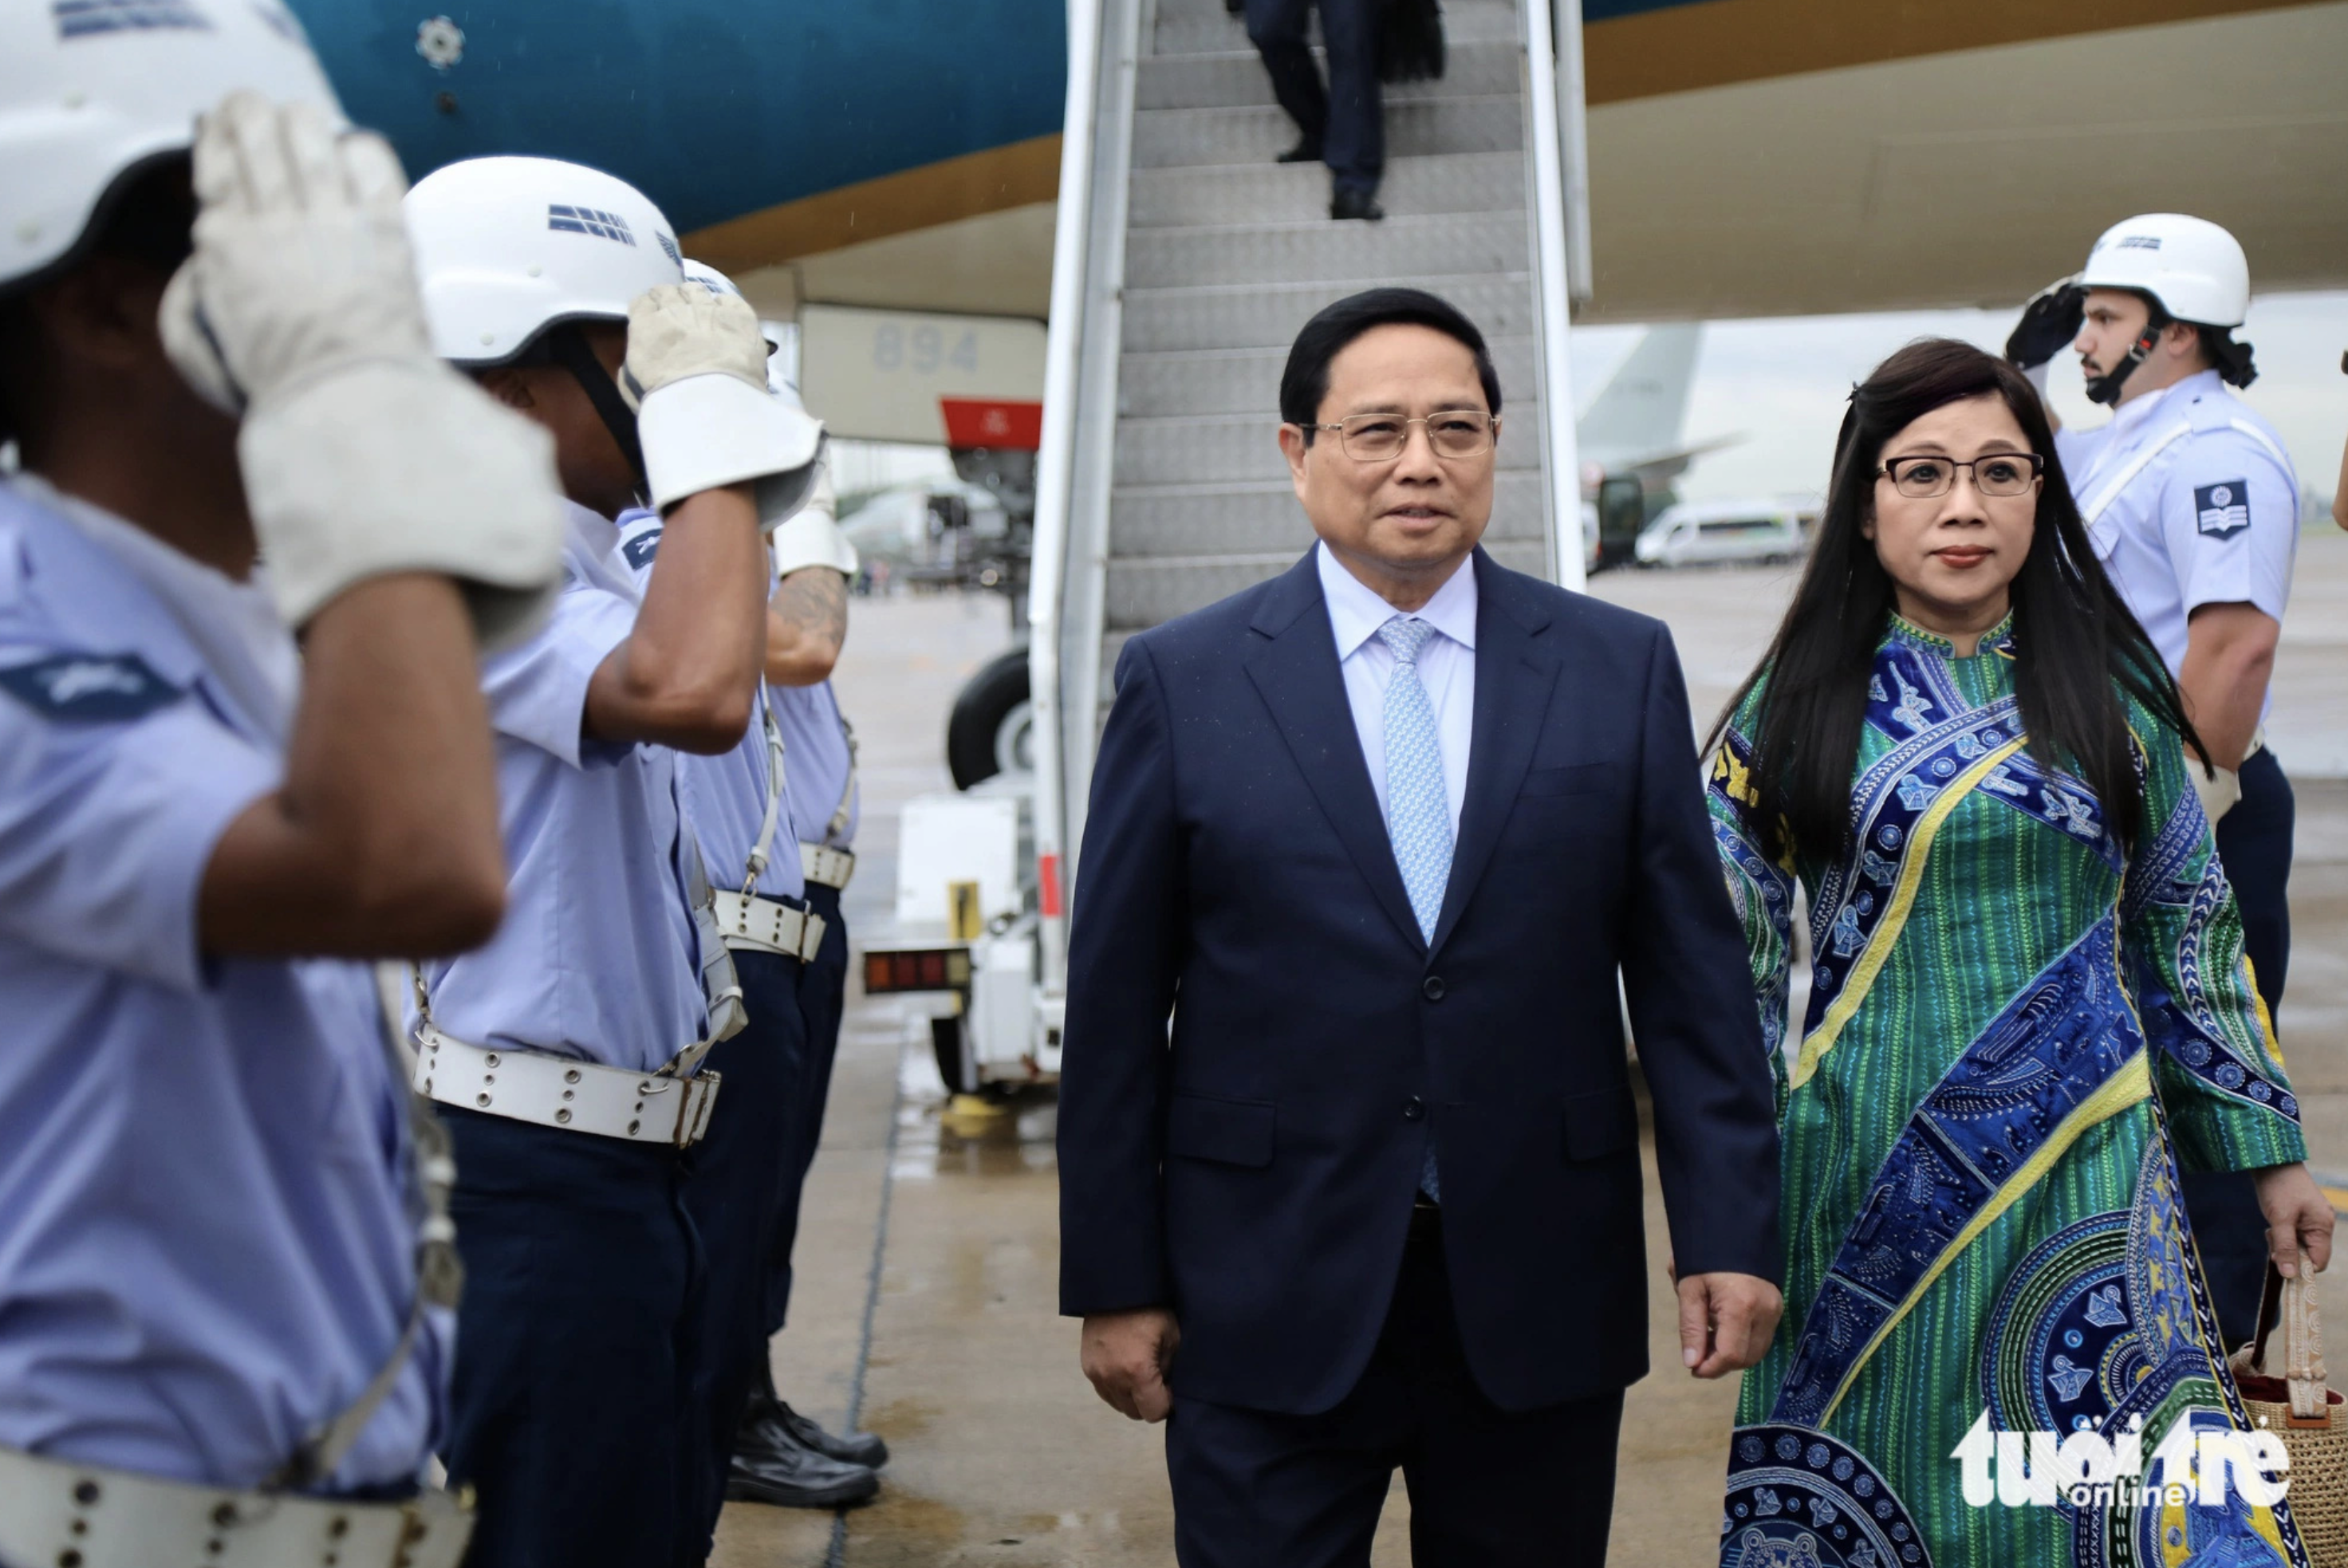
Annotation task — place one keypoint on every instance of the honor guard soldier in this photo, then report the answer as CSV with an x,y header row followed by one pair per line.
x,y
225,1262
2193,505
778,1449
738,807
569,1053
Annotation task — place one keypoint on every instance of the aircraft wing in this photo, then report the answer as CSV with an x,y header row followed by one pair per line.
x,y
1805,157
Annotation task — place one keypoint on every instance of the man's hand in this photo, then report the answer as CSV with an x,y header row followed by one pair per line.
x,y
1126,1354
2299,1218
1725,1322
2049,321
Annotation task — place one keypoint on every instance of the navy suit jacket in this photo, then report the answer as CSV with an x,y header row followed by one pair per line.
x,y
1254,1170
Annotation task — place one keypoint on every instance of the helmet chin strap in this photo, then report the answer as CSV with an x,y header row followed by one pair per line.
x,y
2106,388
568,346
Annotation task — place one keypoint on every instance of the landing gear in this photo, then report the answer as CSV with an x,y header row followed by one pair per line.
x,y
993,727
954,1064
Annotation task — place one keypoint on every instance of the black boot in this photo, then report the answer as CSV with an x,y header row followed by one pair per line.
x,y
1350,202
865,1448
767,1421
788,1475
1306,151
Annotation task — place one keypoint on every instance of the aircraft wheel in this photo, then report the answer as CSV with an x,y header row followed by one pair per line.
x,y
959,1073
992,729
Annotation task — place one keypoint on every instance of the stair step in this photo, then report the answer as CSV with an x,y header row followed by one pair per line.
x,y
1143,594
1236,78
1241,380
1267,315
1194,28
1280,194
1205,447
1185,138
1235,517
1421,244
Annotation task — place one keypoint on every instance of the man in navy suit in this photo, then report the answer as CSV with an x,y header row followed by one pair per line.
x,y
1388,827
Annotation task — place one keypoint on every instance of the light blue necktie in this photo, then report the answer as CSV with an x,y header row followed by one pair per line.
x,y
1418,809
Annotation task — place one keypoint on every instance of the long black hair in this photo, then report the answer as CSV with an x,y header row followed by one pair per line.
x,y
2076,645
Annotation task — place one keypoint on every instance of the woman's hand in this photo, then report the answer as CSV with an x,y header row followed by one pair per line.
x,y
2298,1217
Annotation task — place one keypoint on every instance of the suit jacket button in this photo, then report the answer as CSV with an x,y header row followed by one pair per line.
x,y
1432,988
1413,1108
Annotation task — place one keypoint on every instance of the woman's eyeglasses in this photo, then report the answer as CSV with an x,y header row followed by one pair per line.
x,y
2001,474
1454,433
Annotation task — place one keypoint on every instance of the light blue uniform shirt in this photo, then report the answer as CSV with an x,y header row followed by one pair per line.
x,y
598,958
206,1248
724,797
820,761
2189,499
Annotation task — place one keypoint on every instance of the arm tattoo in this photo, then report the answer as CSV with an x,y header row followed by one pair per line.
x,y
814,599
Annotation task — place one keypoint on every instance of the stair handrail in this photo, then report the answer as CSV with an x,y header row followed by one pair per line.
x,y
1055,478
1548,172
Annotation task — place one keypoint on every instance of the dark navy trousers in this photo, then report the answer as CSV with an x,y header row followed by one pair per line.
x,y
2254,845
577,1348
1534,1490
822,995
734,1177
1346,115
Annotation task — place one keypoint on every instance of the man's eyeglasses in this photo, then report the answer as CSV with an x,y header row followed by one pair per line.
x,y
1453,433
2001,474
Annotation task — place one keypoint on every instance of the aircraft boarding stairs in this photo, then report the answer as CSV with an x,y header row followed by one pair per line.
x,y
1226,254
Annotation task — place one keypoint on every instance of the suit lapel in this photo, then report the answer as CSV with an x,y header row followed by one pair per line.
x,y
1293,664
1516,671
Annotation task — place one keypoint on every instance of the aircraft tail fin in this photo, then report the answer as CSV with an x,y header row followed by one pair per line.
x,y
1642,406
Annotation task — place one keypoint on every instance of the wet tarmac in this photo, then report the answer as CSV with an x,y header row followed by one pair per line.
x,y
928,1256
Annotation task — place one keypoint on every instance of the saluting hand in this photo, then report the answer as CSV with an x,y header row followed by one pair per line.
x,y
1727,1321
1126,1354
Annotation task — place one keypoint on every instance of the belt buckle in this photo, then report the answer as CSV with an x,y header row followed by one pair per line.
x,y
693,1112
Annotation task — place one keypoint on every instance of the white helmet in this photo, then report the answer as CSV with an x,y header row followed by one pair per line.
x,y
507,247
2194,268
92,90
716,282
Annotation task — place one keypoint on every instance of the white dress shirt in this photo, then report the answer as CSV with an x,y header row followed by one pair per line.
x,y
1446,668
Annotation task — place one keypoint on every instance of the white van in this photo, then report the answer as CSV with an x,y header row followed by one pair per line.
x,y
1716,531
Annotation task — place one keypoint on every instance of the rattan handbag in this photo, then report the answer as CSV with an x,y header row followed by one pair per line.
x,y
2286,1393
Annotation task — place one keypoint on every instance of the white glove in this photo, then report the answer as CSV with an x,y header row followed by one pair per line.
x,y
697,376
2218,794
362,454
811,538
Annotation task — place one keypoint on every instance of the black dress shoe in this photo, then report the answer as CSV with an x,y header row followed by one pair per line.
x,y
791,1475
864,1448
1360,204
1306,151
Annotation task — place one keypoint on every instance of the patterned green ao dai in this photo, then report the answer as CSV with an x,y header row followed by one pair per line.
x,y
1980,1147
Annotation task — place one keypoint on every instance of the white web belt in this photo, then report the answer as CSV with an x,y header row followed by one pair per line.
x,y
557,1091
750,924
56,1511
825,866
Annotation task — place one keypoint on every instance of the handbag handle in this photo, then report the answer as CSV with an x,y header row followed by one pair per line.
x,y
2291,1303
